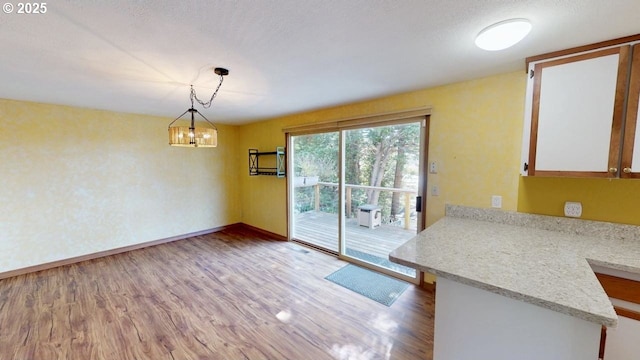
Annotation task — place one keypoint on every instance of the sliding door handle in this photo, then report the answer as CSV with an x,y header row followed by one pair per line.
x,y
418,203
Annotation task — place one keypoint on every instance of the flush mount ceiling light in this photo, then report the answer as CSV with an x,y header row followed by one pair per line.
x,y
503,34
192,136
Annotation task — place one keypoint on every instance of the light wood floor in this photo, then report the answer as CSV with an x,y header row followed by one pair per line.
x,y
230,295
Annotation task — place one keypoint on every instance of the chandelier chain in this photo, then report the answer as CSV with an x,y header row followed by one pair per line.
x,y
207,104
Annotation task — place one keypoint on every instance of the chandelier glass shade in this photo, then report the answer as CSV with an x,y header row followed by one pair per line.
x,y
192,135
201,134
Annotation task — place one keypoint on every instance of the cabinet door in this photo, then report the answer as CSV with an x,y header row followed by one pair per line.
x,y
630,163
577,114
623,341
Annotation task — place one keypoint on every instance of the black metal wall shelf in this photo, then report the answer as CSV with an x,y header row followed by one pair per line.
x,y
278,170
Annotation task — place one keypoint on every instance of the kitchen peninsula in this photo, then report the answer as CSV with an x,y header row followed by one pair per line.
x,y
513,285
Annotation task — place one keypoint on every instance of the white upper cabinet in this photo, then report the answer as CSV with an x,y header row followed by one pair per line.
x,y
575,123
631,147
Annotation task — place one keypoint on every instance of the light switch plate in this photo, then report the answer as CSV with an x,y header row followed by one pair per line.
x,y
573,209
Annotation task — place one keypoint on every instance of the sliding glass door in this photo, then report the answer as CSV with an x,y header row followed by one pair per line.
x,y
315,198
354,192
381,178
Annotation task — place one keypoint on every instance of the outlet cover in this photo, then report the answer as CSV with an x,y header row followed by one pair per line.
x,y
435,191
433,167
496,201
573,209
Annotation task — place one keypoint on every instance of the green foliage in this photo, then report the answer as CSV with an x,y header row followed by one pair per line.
x,y
371,158
317,155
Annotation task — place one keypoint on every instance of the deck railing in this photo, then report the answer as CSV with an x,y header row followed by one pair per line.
x,y
348,187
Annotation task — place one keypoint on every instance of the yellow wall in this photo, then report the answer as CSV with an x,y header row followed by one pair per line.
x,y
476,130
614,200
78,181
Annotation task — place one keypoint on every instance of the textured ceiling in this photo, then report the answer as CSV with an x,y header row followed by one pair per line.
x,y
284,56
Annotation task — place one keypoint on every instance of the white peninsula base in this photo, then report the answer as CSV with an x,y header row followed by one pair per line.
x,y
474,324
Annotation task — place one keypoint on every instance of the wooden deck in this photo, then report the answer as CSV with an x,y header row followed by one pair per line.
x,y
321,229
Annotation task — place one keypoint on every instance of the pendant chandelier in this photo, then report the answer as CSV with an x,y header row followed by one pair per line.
x,y
192,135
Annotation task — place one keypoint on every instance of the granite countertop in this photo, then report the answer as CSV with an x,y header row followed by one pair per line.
x,y
541,260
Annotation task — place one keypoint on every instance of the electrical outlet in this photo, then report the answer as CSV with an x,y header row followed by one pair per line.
x,y
435,191
496,201
573,209
433,167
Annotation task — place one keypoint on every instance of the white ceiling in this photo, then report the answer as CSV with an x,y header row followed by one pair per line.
x,y
284,56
